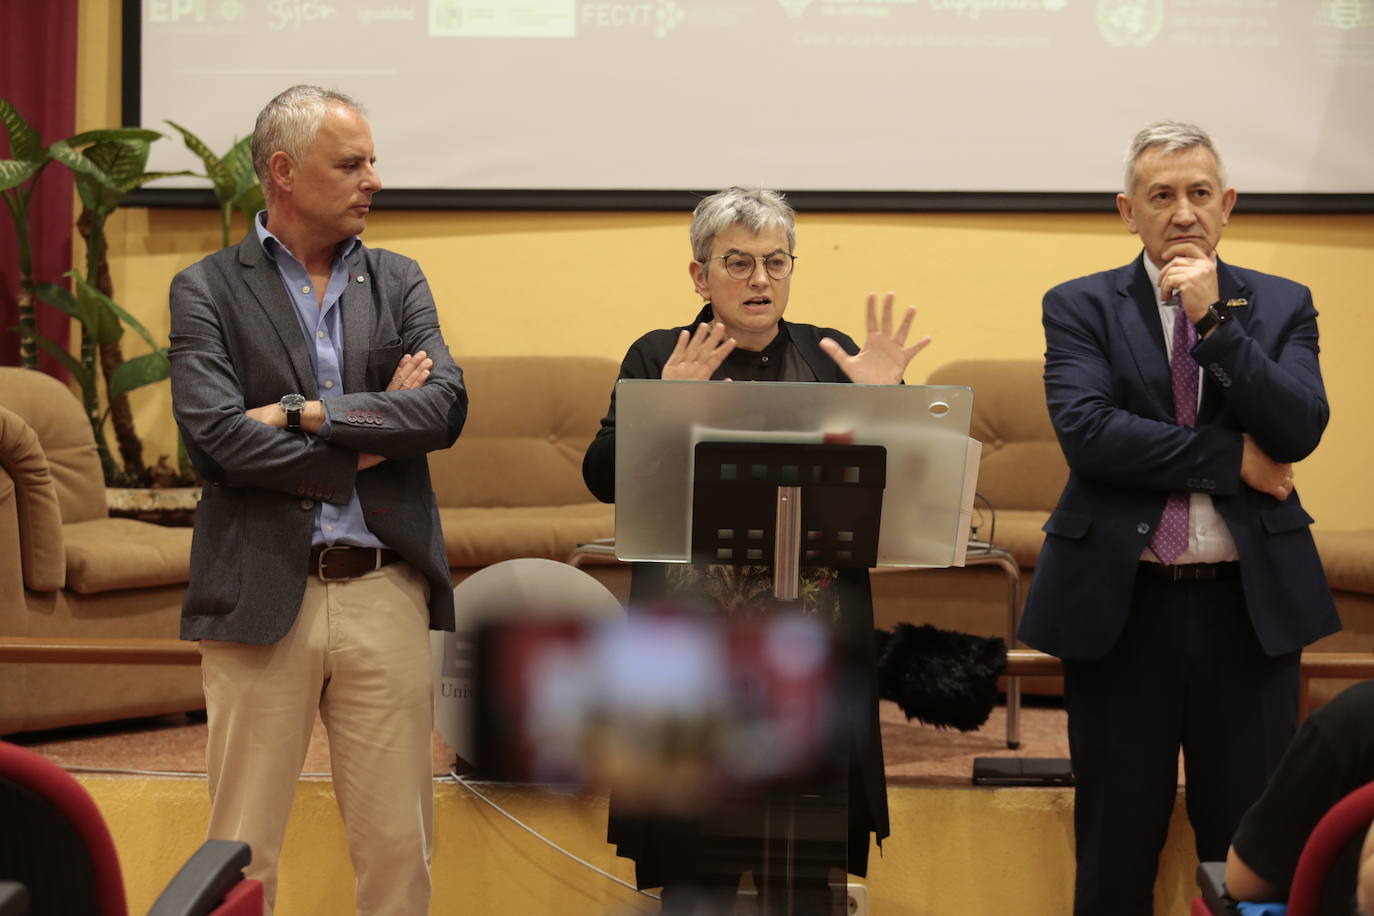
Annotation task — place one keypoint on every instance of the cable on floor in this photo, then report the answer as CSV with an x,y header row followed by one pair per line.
x,y
462,781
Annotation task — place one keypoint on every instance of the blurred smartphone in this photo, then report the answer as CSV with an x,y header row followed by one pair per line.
x,y
676,713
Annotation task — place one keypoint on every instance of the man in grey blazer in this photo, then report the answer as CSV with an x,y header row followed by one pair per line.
x,y
310,379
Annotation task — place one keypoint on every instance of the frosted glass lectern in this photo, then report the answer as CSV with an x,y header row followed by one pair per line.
x,y
917,433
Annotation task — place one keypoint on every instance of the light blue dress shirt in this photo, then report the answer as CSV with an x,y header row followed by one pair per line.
x,y
323,330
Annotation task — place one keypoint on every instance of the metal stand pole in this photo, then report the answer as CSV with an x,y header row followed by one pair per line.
x,y
787,547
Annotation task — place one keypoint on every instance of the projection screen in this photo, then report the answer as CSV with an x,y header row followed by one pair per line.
x,y
959,97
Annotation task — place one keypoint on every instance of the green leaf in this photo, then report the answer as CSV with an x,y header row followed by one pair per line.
x,y
68,362
106,328
25,144
113,135
105,315
239,159
216,169
76,161
103,323
250,200
248,197
120,159
137,181
96,295
62,299
183,459
139,371
15,172
98,189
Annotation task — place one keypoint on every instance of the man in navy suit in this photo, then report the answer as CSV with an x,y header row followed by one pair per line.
x,y
1178,580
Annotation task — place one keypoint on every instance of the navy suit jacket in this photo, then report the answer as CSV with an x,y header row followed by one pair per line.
x,y
1109,391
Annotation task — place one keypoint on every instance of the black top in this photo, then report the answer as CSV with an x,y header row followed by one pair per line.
x,y
795,343
765,365
1331,756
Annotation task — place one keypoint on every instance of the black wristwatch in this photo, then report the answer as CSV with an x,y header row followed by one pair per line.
x,y
1217,313
292,404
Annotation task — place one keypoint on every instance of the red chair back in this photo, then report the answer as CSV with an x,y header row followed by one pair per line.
x,y
1346,819
54,839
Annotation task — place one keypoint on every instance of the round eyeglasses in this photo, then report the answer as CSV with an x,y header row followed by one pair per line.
x,y
741,266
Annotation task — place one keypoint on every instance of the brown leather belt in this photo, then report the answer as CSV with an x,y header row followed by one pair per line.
x,y
1191,572
344,561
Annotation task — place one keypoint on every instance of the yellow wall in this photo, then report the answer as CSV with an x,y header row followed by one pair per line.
x,y
589,283
972,851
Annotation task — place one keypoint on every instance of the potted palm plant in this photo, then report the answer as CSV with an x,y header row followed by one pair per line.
x,y
107,165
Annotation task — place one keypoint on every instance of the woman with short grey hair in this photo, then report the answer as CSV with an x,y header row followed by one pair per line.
x,y
743,243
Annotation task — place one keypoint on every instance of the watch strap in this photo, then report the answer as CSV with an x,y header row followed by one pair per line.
x,y
1216,314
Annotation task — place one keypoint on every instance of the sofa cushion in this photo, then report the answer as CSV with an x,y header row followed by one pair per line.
x,y
528,426
1022,465
115,553
1017,531
28,486
1348,558
478,536
57,417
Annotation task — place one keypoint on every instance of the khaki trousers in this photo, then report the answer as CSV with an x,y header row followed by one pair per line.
x,y
359,653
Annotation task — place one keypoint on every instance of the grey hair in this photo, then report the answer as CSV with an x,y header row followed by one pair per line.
x,y
290,122
1170,136
755,209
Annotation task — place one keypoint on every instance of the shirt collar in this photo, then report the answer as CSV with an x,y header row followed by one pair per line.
x,y
271,244
1153,272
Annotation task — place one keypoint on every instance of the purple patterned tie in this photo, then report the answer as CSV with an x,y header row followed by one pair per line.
x,y
1171,534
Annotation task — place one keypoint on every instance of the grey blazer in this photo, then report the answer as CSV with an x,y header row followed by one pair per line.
x,y
236,343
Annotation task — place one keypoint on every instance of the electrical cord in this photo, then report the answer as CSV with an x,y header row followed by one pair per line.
x,y
979,518
452,775
463,781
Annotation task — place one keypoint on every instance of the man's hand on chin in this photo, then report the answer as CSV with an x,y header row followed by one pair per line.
x,y
1190,269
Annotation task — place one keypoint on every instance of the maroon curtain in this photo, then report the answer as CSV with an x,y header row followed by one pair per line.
x,y
38,77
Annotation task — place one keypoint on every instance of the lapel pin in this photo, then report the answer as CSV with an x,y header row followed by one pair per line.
x,y
360,278
1236,303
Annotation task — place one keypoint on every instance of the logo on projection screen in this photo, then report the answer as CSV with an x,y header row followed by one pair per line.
x,y
669,17
1346,14
1130,23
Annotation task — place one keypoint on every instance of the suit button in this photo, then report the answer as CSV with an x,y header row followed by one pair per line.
x,y
307,504
1142,528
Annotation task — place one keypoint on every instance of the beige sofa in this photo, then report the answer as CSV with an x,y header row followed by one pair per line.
x,y
69,570
510,487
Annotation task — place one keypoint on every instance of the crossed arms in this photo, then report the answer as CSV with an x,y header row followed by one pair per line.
x,y
226,356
